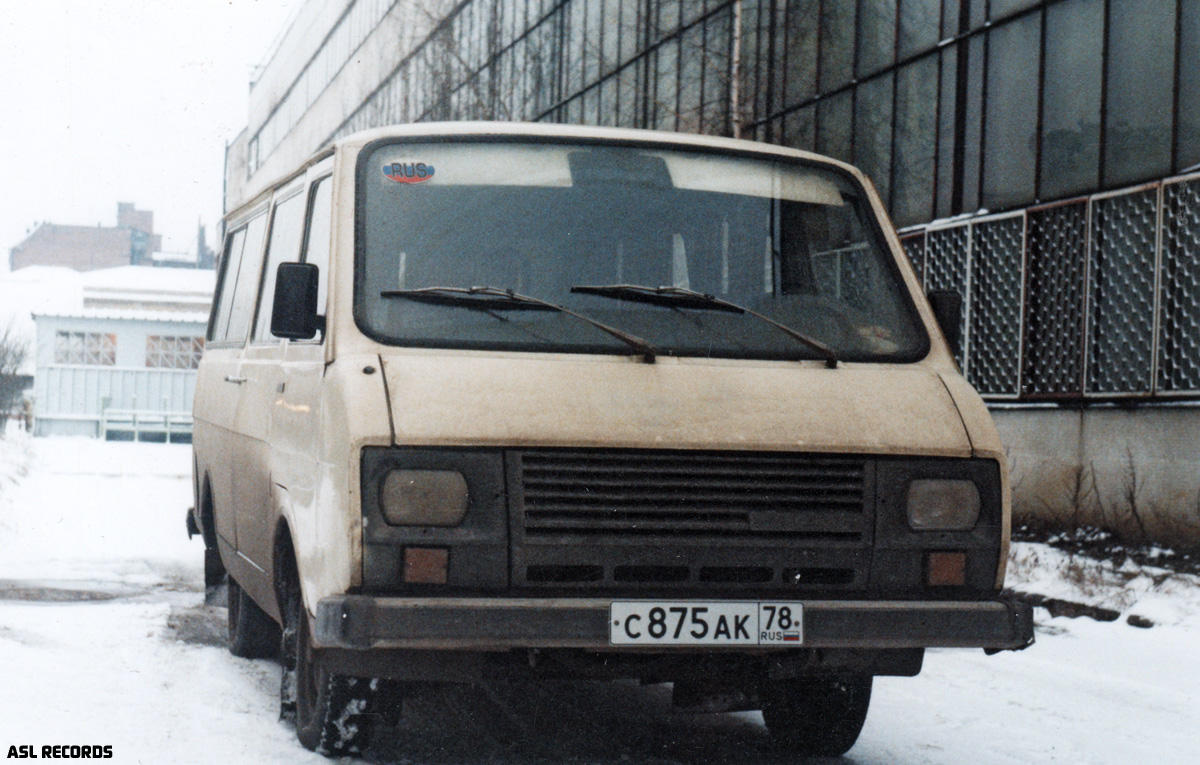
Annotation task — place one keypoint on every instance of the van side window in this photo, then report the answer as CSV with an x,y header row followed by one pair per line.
x,y
229,272
287,225
245,290
316,244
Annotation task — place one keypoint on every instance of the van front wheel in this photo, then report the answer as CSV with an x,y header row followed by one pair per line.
x,y
817,717
335,714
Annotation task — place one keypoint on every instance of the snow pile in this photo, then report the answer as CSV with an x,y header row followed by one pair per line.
x,y
99,511
16,456
1164,597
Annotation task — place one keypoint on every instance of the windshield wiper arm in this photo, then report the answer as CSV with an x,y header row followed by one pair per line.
x,y
498,299
681,297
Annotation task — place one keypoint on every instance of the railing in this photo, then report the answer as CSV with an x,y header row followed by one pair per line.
x,y
1090,298
137,422
101,399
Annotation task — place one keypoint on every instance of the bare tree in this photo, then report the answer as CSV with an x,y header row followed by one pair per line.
x,y
14,347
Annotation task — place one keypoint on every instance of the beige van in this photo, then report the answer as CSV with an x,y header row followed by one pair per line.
x,y
491,398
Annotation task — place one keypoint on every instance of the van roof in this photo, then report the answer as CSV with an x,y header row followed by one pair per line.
x,y
555,130
474,129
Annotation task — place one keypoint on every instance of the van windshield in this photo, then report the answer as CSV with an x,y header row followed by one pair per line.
x,y
793,242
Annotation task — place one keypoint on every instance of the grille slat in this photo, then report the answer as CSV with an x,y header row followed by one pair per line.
x,y
656,480
665,500
716,471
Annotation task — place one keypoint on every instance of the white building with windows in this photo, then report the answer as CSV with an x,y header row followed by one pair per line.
x,y
121,363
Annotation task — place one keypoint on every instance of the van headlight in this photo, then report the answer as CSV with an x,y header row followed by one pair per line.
x,y
423,498
942,505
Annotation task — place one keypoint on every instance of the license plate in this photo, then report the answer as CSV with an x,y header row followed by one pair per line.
x,y
661,622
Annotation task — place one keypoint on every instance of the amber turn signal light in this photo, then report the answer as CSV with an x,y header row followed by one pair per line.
x,y
426,565
946,569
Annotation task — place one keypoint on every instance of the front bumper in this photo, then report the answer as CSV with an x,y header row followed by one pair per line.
x,y
364,622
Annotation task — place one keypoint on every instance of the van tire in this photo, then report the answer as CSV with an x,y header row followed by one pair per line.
x,y
252,633
335,715
816,717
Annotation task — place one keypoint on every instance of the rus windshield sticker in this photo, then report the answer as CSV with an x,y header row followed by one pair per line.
x,y
408,172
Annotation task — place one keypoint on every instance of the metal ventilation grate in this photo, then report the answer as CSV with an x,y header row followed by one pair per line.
x,y
1053,358
997,274
1179,317
1121,289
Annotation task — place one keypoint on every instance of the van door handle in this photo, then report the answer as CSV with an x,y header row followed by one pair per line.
x,y
237,380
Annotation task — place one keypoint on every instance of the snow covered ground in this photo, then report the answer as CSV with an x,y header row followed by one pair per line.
x,y
105,641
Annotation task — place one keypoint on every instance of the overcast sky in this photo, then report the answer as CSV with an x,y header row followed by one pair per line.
x,y
106,101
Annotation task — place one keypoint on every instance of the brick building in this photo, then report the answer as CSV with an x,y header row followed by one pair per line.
x,y
131,242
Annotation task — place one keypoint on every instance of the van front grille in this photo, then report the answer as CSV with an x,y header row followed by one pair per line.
x,y
651,519
691,495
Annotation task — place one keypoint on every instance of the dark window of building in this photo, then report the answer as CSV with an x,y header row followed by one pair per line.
x,y
833,126
976,51
1071,98
90,348
668,17
998,9
173,352
950,18
755,62
691,74
916,141
947,138
629,28
876,36
1139,101
608,102
837,43
632,96
1188,127
798,129
801,51
607,12
919,26
667,79
693,10
594,33
978,12
573,52
717,40
1010,136
873,132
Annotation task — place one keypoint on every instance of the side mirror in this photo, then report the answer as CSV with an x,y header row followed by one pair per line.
x,y
947,308
294,310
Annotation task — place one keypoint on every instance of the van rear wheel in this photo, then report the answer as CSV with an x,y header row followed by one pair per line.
x,y
335,714
252,633
817,717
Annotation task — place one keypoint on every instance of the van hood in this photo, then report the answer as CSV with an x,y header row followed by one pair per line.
x,y
476,399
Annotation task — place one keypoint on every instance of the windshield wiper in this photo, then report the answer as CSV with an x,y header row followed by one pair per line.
x,y
499,299
681,297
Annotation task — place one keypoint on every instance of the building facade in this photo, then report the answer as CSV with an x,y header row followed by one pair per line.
x,y
132,242
127,375
85,248
1040,156
121,363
